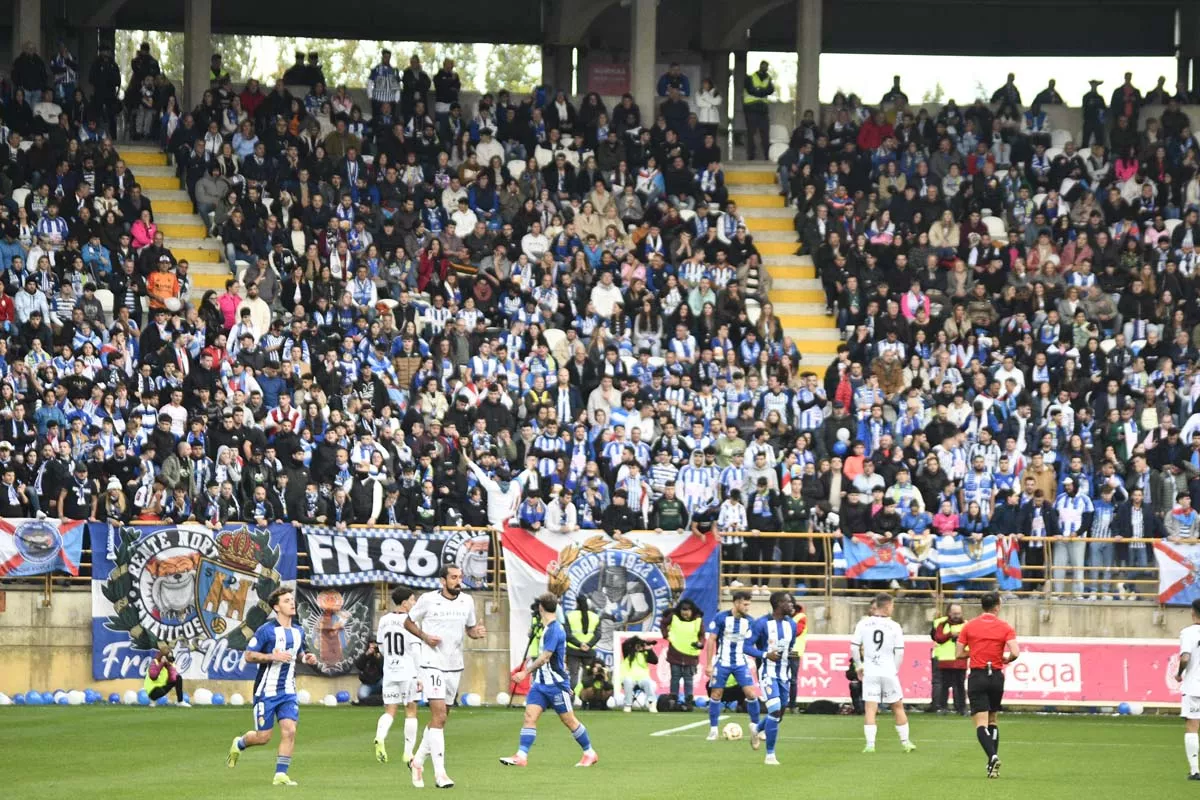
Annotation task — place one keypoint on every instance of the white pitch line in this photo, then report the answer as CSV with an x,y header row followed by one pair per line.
x,y
687,727
1038,743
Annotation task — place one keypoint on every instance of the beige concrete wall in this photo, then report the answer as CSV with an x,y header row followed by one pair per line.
x,y
50,648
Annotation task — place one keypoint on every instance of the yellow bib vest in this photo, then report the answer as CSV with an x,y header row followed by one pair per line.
x,y
684,635
635,668
759,83
579,630
150,684
946,651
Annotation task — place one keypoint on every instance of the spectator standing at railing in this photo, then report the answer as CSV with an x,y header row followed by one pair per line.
x,y
1039,520
757,89
1134,519
1075,512
1101,555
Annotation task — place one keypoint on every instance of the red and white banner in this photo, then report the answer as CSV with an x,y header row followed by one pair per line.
x,y
1051,671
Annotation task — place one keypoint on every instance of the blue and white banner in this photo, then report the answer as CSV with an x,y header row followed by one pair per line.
x,y
344,557
201,590
40,546
964,559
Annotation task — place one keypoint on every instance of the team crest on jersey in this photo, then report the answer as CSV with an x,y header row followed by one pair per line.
x,y
628,586
192,584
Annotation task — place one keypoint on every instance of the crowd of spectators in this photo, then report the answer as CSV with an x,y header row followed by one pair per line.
x,y
430,305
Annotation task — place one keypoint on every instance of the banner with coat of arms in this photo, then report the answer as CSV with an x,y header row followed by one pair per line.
x,y
860,557
203,591
40,546
344,557
337,625
629,582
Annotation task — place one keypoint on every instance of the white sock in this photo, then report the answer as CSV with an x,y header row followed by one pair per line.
x,y
1191,746
383,726
410,733
869,730
436,742
903,731
423,750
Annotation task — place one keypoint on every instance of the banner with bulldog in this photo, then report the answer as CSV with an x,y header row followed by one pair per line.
x,y
344,557
202,591
629,582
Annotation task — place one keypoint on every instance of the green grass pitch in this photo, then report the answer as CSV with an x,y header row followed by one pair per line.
x,y
100,752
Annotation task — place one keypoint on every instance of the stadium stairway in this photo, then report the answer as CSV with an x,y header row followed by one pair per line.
x,y
796,292
182,228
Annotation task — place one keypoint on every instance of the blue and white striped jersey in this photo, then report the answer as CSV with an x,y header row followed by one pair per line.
x,y
733,633
777,635
554,671
276,678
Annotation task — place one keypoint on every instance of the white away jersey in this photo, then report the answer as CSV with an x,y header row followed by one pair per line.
x,y
882,643
1189,644
447,619
401,650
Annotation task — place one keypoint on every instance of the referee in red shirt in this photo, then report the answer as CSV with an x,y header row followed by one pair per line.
x,y
990,643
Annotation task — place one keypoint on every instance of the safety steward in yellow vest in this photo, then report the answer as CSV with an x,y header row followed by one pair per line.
x,y
683,626
583,631
948,672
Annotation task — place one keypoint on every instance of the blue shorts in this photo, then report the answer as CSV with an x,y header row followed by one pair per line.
x,y
776,693
549,695
269,709
741,673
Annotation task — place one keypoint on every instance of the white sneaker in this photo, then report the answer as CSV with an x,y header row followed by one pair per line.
x,y
771,760
736,584
444,782
418,775
653,707
184,704
713,735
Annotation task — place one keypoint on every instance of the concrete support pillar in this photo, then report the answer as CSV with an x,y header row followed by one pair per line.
x,y
27,27
808,61
738,123
197,50
642,49
86,53
1188,62
557,68
716,65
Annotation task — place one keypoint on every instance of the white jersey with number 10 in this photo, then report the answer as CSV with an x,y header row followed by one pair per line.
x,y
401,650
882,643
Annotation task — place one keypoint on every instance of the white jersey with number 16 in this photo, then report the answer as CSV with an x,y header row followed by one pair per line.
x,y
438,615
882,643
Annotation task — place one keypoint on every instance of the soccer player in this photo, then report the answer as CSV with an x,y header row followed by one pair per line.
x,y
275,647
439,619
729,633
551,688
991,643
773,638
1189,676
877,649
401,654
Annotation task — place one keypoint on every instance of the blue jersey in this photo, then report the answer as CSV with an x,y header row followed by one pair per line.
x,y
777,635
733,634
554,671
276,678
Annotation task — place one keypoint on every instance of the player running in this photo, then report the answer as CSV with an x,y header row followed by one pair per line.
x,y
1188,675
729,634
275,647
439,619
773,638
551,688
877,649
991,643
401,654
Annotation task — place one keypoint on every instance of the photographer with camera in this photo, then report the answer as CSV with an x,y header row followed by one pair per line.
x,y
596,688
162,677
370,674
683,627
949,672
637,655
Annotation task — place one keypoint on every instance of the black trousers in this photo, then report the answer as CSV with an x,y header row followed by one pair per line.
x,y
758,120
946,680
759,548
162,691
1093,132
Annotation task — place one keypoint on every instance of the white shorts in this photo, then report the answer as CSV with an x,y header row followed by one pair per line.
x,y
882,689
399,693
439,685
1189,706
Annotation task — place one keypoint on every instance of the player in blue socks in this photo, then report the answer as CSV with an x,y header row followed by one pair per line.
x,y
773,638
551,688
729,634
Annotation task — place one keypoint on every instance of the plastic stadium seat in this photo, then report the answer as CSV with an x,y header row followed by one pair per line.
x,y
1171,225
996,228
779,133
629,362
753,310
1107,346
19,195
516,167
776,150
105,296
557,340
1038,199
686,214
1059,137
543,157
1053,152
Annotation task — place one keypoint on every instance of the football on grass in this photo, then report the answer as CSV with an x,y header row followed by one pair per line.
x,y
732,732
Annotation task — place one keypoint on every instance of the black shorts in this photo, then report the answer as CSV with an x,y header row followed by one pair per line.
x,y
985,691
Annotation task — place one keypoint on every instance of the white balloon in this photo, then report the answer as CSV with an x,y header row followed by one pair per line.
x,y
612,702
5,700
471,700
843,435
237,700
1137,709
329,700
58,695
202,697
75,697
129,698
503,698
303,697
